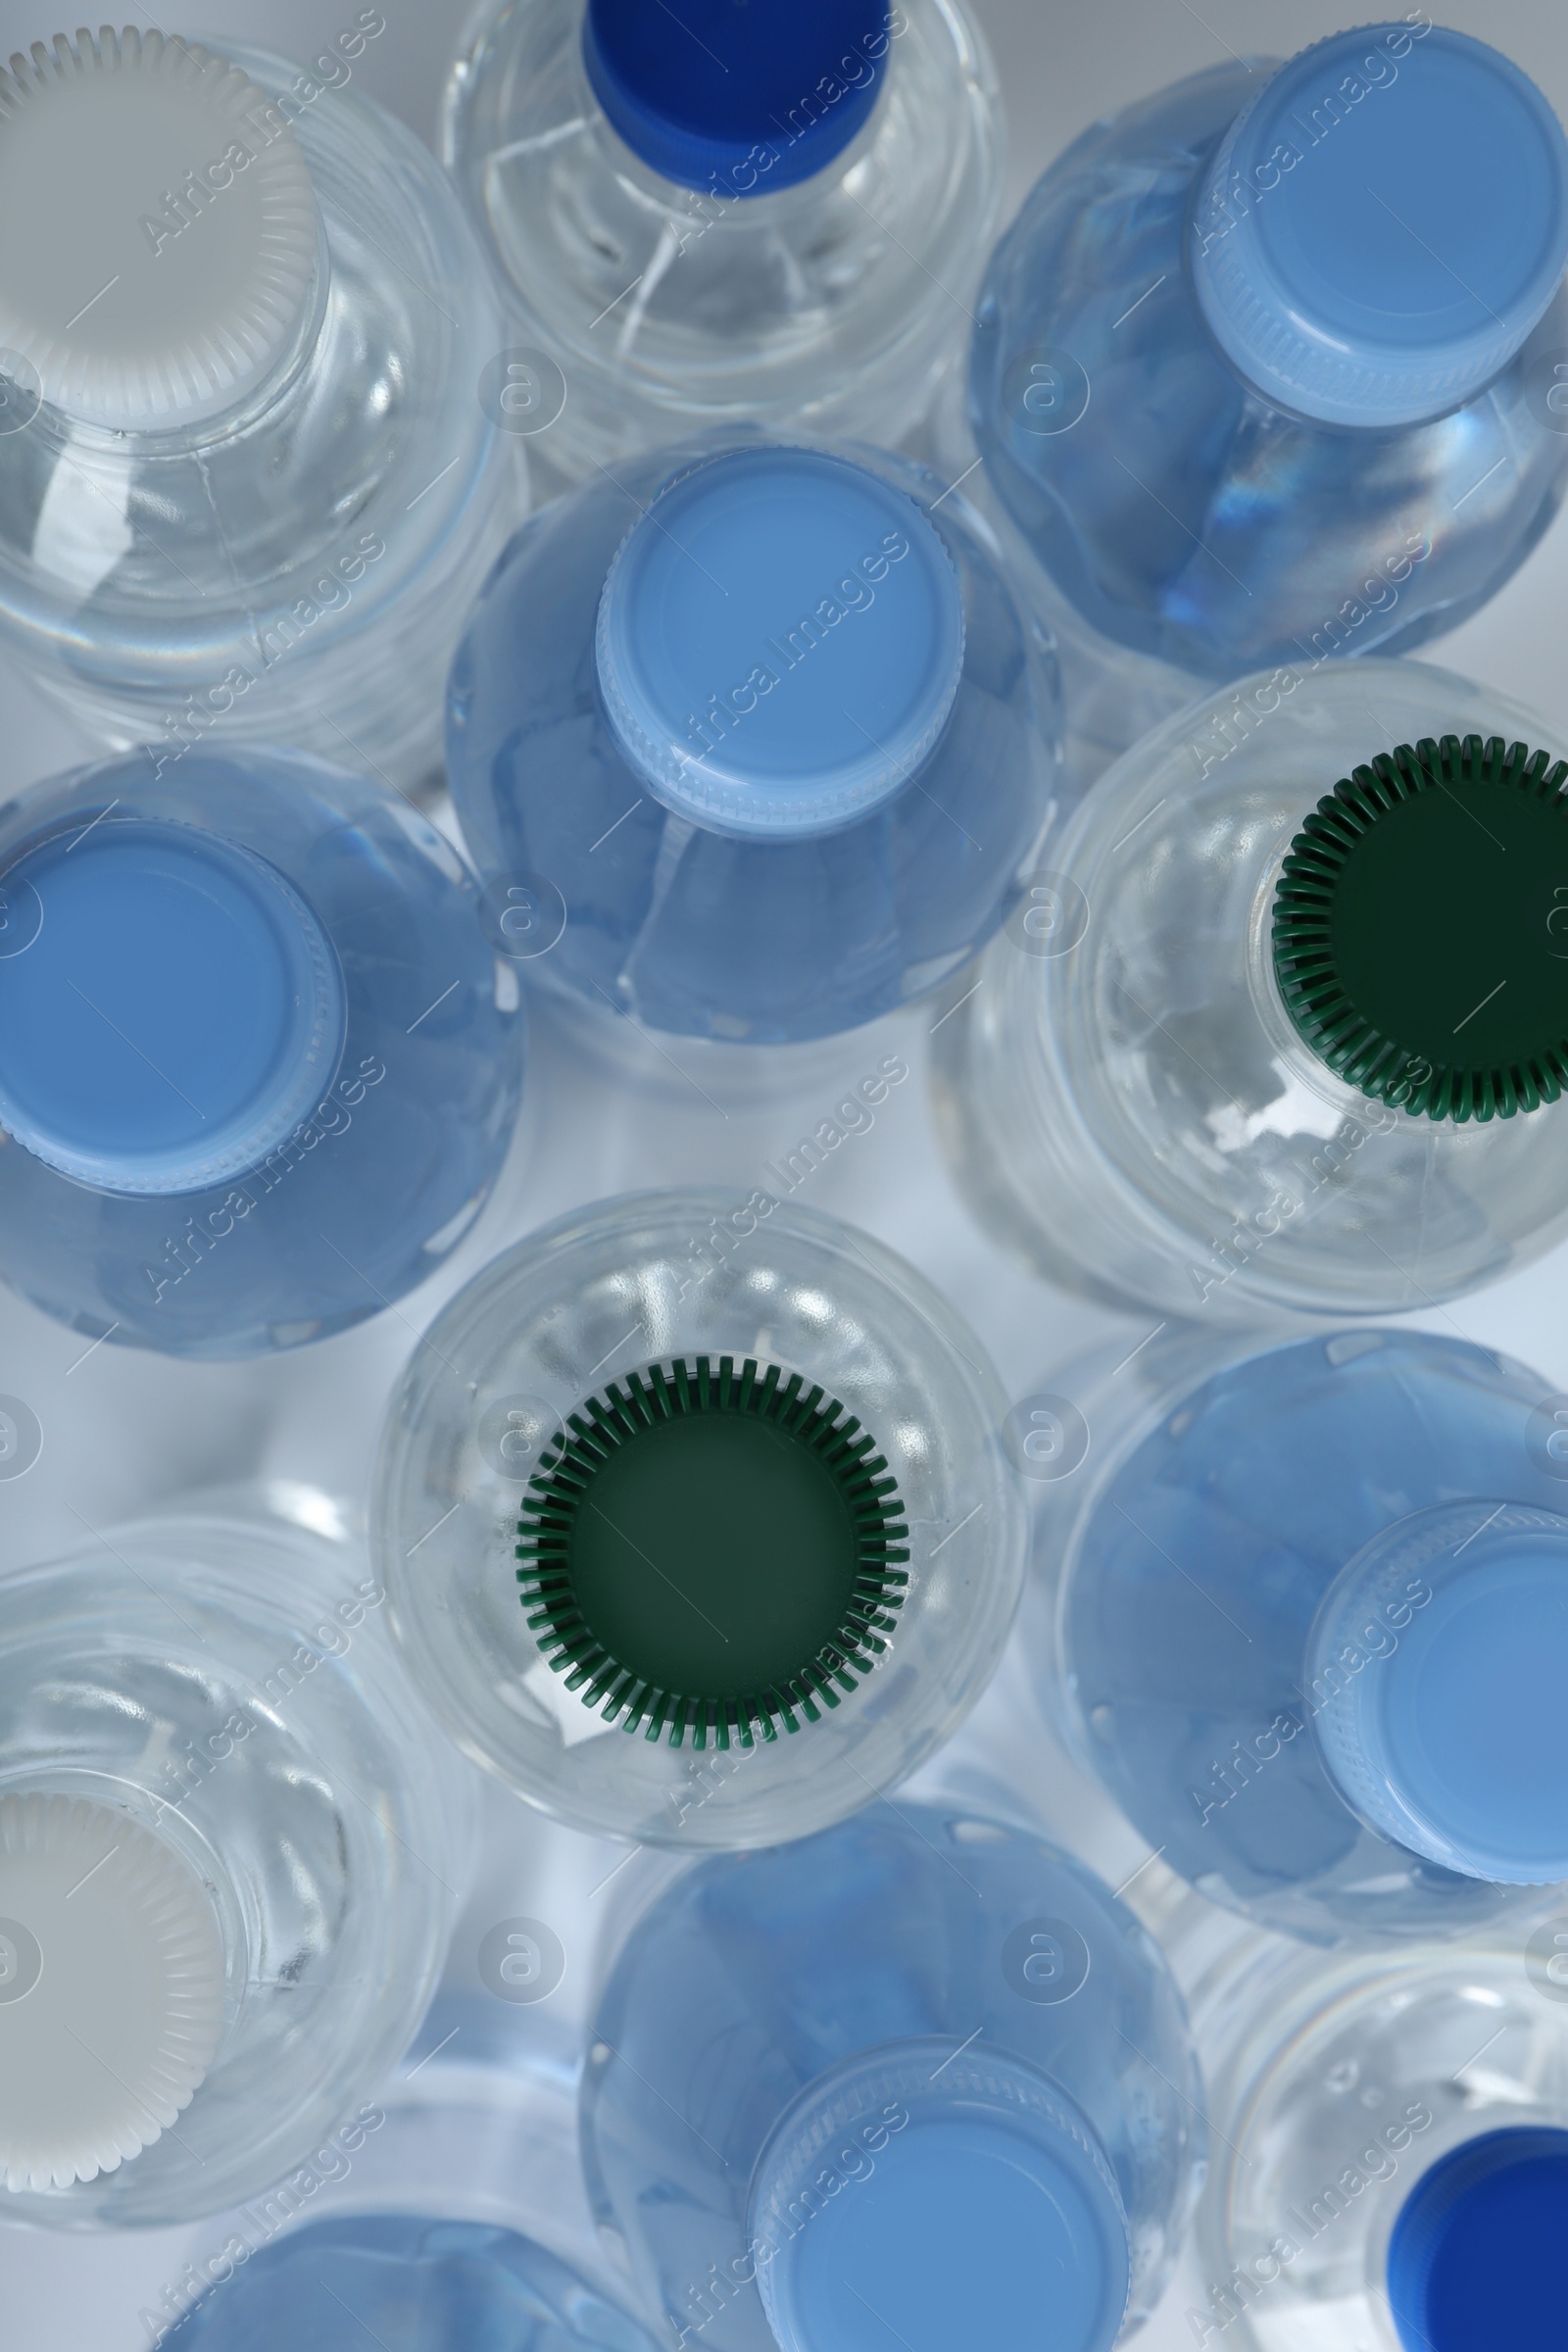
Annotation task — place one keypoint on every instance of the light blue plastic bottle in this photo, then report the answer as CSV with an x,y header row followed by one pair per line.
x,y
920,2079
1312,1615
756,745
251,473
1274,365
448,2216
259,1062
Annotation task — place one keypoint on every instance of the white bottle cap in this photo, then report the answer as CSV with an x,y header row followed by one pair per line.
x,y
111,1989
163,227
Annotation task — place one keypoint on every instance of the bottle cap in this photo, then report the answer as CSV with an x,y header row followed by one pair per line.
x,y
1383,225
171,231
1436,1670
712,1552
737,101
1421,928
780,643
928,2196
111,1989
174,1009
1470,2263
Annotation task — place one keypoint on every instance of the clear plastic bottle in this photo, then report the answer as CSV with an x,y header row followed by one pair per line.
x,y
1303,1620
901,2081
1390,2146
1275,364
1289,1025
451,2219
248,486
258,1063
232,1849
757,742
721,219
697,1519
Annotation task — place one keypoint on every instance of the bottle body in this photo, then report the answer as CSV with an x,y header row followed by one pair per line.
x,y
222,1688
1129,1106
694,930
452,2212
394,1152
295,569
752,1980
1229,1493
1346,2089
1183,512
640,306
672,1696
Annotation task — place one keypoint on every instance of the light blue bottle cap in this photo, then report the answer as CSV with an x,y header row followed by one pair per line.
x,y
1383,225
934,2196
1471,2266
1435,1674
780,643
170,1008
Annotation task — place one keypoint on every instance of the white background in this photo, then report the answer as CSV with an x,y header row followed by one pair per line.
x,y
124,1431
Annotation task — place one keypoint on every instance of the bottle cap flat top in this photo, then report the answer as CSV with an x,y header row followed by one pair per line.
x,y
1383,225
712,1548
171,229
1421,928
111,1989
1475,2260
172,1011
1438,1664
780,642
737,101
976,2213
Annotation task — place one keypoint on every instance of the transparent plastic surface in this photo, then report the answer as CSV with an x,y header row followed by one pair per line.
x,y
222,1678
638,305
449,2219
590,1300
1181,512
919,1927
1128,1103
396,1159
1227,1492
295,569
638,911
1334,2088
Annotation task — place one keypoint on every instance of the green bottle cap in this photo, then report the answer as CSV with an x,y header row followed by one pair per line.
x,y
1421,928
712,1552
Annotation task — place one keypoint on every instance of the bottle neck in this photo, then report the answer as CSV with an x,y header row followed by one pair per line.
x,y
952,2192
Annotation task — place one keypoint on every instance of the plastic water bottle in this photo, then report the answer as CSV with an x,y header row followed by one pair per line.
x,y
231,1846
697,1518
1289,1025
920,2078
1308,1622
757,744
450,2216
248,477
721,217
258,1061
1398,2135
1274,365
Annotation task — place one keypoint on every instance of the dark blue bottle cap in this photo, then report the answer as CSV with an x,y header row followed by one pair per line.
x,y
170,1008
1383,225
1474,2261
737,96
